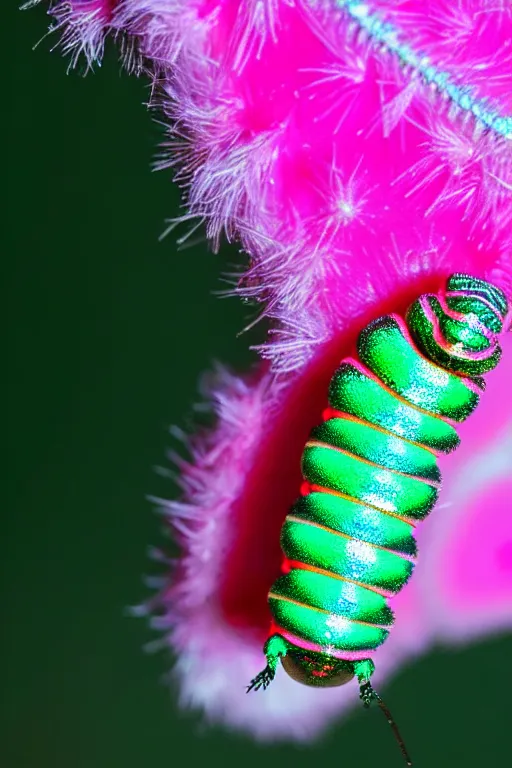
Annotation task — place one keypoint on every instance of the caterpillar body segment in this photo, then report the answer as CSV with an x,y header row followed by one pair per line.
x,y
353,390
357,521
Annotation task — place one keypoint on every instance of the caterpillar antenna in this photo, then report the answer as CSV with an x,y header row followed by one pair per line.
x,y
367,693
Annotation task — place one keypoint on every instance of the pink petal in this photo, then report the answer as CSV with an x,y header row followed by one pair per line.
x,y
354,186
348,180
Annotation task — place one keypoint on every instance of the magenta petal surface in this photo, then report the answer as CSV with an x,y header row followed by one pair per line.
x,y
351,165
354,184
349,175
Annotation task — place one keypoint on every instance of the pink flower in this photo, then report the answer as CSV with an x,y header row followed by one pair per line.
x,y
354,187
360,152
325,141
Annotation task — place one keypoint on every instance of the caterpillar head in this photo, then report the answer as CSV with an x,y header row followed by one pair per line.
x,y
317,669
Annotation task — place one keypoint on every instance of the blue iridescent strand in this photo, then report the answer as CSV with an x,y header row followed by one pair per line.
x,y
386,34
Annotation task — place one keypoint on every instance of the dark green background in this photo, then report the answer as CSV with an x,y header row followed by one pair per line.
x,y
108,331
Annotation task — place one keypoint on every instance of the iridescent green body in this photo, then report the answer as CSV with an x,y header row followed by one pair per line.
x,y
371,475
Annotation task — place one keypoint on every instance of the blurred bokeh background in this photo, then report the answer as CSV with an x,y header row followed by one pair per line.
x,y
108,330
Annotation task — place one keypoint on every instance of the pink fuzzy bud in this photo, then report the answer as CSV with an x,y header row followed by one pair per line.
x,y
360,152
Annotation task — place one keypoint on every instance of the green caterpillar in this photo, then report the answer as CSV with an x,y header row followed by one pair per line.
x,y
370,475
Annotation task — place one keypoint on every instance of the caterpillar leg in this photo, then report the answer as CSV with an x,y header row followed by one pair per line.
x,y
274,649
263,678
